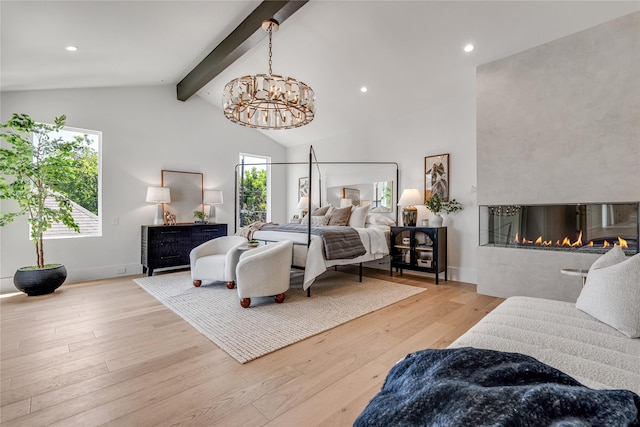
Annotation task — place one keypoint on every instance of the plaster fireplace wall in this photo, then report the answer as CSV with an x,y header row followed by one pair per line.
x,y
557,124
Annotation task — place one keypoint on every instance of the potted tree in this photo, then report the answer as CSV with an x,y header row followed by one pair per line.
x,y
437,206
34,162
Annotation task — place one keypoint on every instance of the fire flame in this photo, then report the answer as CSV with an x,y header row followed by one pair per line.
x,y
567,242
623,243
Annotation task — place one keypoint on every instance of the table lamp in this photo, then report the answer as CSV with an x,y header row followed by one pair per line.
x,y
409,198
211,198
158,195
303,205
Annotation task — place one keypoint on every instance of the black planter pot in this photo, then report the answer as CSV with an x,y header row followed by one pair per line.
x,y
40,281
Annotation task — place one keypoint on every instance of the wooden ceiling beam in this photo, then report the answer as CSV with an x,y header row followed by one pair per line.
x,y
244,37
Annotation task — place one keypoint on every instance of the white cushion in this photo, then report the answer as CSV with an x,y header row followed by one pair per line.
x,y
319,220
323,211
376,218
358,216
612,292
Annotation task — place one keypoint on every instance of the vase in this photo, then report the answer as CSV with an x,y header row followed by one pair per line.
x,y
436,221
40,281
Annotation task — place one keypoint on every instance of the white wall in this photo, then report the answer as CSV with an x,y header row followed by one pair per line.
x,y
443,128
144,130
559,123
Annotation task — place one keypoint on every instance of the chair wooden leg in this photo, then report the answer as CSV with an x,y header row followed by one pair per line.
x,y
245,302
231,284
280,298
197,283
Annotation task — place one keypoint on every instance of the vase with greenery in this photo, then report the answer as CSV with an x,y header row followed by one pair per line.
x,y
200,217
438,206
35,164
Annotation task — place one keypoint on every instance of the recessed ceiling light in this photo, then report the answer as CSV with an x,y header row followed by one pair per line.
x,y
71,48
363,89
468,48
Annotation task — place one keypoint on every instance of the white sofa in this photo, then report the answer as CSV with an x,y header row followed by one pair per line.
x,y
596,340
558,334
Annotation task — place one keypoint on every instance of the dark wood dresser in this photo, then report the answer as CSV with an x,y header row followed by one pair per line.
x,y
169,245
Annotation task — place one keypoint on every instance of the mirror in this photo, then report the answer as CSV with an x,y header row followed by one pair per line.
x,y
378,194
186,193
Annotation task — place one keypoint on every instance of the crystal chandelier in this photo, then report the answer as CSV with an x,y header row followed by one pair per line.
x,y
268,101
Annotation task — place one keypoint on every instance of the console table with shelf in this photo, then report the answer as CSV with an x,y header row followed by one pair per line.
x,y
165,246
419,249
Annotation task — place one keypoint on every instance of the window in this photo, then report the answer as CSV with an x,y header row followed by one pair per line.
x,y
254,195
83,189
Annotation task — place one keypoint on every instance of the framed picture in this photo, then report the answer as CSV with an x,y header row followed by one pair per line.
x,y
352,194
186,193
436,176
303,187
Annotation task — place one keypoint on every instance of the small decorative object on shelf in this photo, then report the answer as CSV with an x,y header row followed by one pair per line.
x,y
253,243
201,218
437,206
169,218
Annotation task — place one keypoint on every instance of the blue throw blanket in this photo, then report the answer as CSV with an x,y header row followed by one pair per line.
x,y
474,387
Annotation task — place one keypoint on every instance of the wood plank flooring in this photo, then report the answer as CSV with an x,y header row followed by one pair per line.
x,y
107,353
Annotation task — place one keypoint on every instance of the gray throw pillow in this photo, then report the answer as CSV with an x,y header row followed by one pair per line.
x,y
612,292
340,216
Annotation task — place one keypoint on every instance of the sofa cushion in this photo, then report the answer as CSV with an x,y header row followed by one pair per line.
x,y
611,293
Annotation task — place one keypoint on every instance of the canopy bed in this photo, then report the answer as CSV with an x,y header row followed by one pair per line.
x,y
338,233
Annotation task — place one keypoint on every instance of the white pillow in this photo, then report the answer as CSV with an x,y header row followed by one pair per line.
x,y
319,220
613,256
323,211
612,292
374,218
358,216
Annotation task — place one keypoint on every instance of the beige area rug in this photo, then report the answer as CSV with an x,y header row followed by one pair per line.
x,y
249,333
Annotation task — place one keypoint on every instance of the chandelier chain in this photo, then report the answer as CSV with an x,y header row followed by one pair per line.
x,y
270,54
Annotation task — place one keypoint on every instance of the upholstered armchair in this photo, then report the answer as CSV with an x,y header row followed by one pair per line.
x,y
264,271
215,260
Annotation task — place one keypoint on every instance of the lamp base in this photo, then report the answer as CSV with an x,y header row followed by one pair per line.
x,y
159,219
410,216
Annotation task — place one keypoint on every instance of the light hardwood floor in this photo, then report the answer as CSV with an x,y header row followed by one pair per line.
x,y
106,352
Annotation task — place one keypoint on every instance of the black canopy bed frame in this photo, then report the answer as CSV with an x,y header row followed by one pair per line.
x,y
311,163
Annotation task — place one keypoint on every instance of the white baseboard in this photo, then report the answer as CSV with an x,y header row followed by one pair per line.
x,y
83,275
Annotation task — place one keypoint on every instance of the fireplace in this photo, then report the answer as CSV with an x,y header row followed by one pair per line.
x,y
583,228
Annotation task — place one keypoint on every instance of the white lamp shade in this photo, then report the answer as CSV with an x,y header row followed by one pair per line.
x,y
303,203
410,197
345,202
158,195
212,197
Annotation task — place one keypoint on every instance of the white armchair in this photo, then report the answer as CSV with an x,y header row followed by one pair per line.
x,y
264,271
214,260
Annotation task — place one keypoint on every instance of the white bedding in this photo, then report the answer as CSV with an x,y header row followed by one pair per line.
x,y
373,238
558,334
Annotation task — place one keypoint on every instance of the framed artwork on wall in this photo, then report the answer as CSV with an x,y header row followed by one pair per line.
x,y
186,193
303,187
436,176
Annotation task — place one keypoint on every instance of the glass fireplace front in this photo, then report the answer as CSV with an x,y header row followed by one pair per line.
x,y
591,227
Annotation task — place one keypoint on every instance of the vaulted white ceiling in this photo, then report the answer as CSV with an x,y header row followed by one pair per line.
x,y
408,53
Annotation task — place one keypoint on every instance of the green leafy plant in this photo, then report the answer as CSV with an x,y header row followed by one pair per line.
x,y
37,163
436,205
199,215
